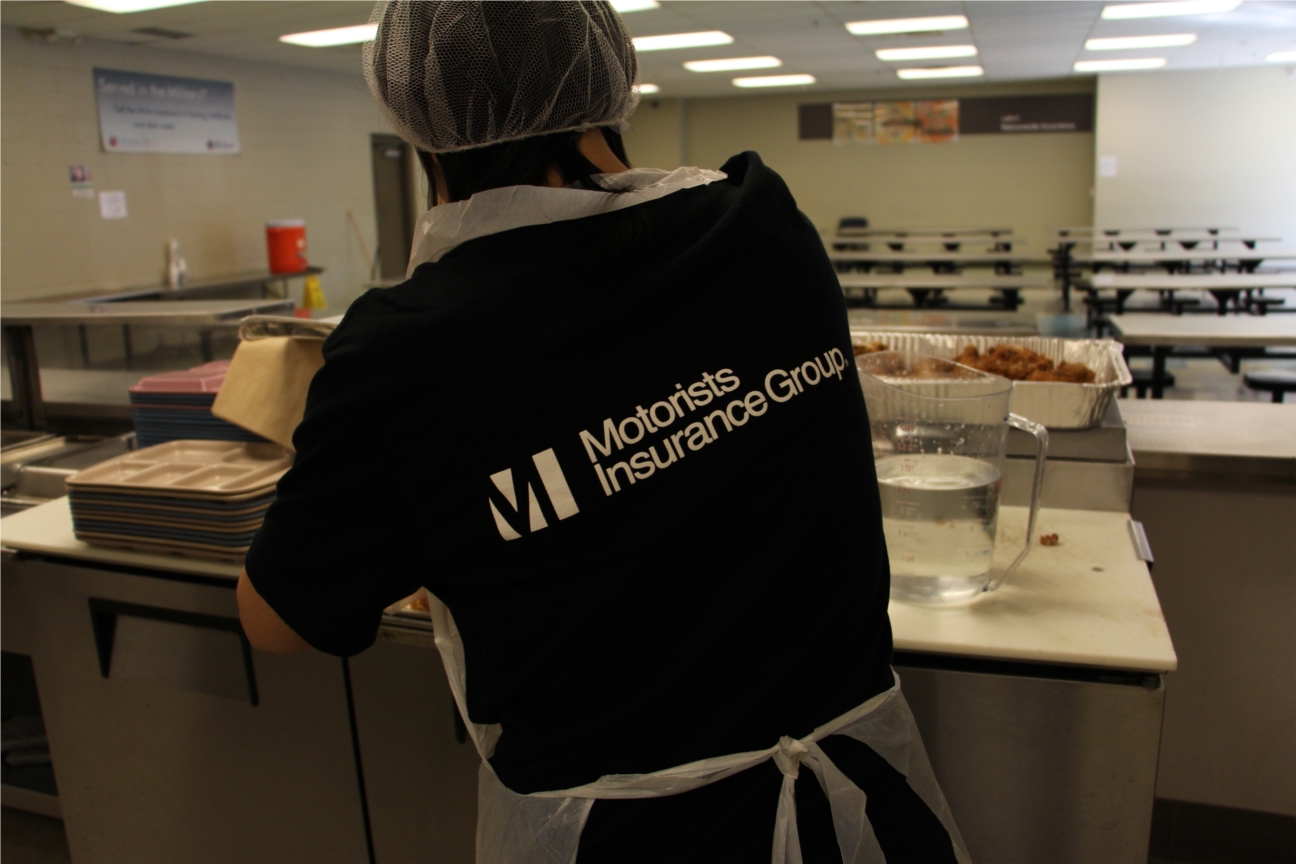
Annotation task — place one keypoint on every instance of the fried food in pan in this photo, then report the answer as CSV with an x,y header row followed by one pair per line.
x,y
1022,364
870,348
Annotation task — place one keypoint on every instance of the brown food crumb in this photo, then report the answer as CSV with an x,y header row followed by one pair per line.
x,y
870,348
1048,539
1022,364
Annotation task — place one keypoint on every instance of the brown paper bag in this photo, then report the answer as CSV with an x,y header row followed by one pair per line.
x,y
265,388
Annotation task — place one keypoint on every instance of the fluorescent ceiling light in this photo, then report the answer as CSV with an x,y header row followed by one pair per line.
x,y
682,40
1120,43
908,25
336,36
732,63
774,81
624,6
1119,65
121,6
941,72
1179,7
1282,57
935,52
648,89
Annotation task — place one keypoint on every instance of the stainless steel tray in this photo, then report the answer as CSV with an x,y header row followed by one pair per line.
x,y
1055,404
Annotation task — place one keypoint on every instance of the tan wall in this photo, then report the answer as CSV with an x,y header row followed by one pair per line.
x,y
654,137
305,154
1023,181
1196,149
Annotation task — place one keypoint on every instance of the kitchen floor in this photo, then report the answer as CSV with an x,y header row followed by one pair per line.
x,y
26,838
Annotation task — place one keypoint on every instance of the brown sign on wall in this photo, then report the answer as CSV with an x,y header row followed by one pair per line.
x,y
1009,115
1068,112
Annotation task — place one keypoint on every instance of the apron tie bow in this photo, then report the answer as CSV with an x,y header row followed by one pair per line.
x,y
788,757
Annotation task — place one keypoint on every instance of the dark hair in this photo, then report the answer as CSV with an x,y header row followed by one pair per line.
x,y
524,162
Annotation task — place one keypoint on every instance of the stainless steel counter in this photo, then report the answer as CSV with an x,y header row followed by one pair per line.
x,y
1040,707
20,341
1215,487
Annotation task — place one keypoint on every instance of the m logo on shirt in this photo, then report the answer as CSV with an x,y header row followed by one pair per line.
x,y
518,509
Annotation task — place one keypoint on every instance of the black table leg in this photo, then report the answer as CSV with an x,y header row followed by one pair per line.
x,y
24,376
1159,354
1222,298
127,346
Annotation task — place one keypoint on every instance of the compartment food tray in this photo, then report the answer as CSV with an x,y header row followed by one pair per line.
x,y
1055,404
220,470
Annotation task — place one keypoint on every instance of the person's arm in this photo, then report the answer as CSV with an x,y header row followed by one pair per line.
x,y
263,626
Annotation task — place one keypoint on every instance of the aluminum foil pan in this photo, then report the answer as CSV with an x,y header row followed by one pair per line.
x,y
1055,404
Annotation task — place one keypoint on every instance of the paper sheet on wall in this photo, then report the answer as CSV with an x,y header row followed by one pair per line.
x,y
265,388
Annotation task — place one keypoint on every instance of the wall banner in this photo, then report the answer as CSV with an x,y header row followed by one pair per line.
x,y
895,122
900,122
141,113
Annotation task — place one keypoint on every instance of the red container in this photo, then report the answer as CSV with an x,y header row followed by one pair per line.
x,y
286,243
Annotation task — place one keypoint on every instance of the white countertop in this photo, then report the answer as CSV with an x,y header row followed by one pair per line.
x,y
1235,331
48,529
1087,601
1057,608
1201,428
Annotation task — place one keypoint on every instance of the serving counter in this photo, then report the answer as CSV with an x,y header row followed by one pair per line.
x,y
1216,488
1040,707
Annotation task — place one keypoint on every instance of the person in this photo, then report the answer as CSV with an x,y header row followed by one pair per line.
x,y
611,424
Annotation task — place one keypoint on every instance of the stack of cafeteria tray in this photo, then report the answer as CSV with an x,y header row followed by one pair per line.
x,y
177,405
199,499
1054,404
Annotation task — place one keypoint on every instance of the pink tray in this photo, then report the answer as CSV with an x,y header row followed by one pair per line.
x,y
206,378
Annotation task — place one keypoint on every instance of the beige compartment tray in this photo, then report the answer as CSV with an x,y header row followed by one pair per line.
x,y
1055,404
227,470
178,548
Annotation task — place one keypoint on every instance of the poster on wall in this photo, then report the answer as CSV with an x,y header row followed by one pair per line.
x,y
142,113
936,120
852,123
929,121
947,119
895,122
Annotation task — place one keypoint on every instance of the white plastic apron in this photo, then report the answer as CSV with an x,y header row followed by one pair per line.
x,y
545,827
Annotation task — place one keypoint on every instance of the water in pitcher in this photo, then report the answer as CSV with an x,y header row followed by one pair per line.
x,y
938,514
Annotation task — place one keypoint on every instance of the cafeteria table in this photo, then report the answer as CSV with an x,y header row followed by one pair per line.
x,y
1163,333
903,242
1177,260
928,290
1222,286
1188,238
924,232
1004,263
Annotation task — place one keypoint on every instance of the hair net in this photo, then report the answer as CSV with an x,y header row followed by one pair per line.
x,y
453,75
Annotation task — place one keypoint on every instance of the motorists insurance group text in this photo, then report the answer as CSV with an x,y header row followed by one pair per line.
x,y
679,408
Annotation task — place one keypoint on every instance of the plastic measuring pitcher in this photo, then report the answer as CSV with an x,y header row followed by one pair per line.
x,y
940,432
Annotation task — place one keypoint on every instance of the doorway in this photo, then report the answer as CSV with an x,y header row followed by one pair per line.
x,y
393,171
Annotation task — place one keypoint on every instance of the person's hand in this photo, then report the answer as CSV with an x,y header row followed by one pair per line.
x,y
263,626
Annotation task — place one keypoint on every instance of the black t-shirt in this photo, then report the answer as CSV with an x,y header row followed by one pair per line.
x,y
631,455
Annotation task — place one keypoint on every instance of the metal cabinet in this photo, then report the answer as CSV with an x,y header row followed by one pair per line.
x,y
420,777
1040,763
172,741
